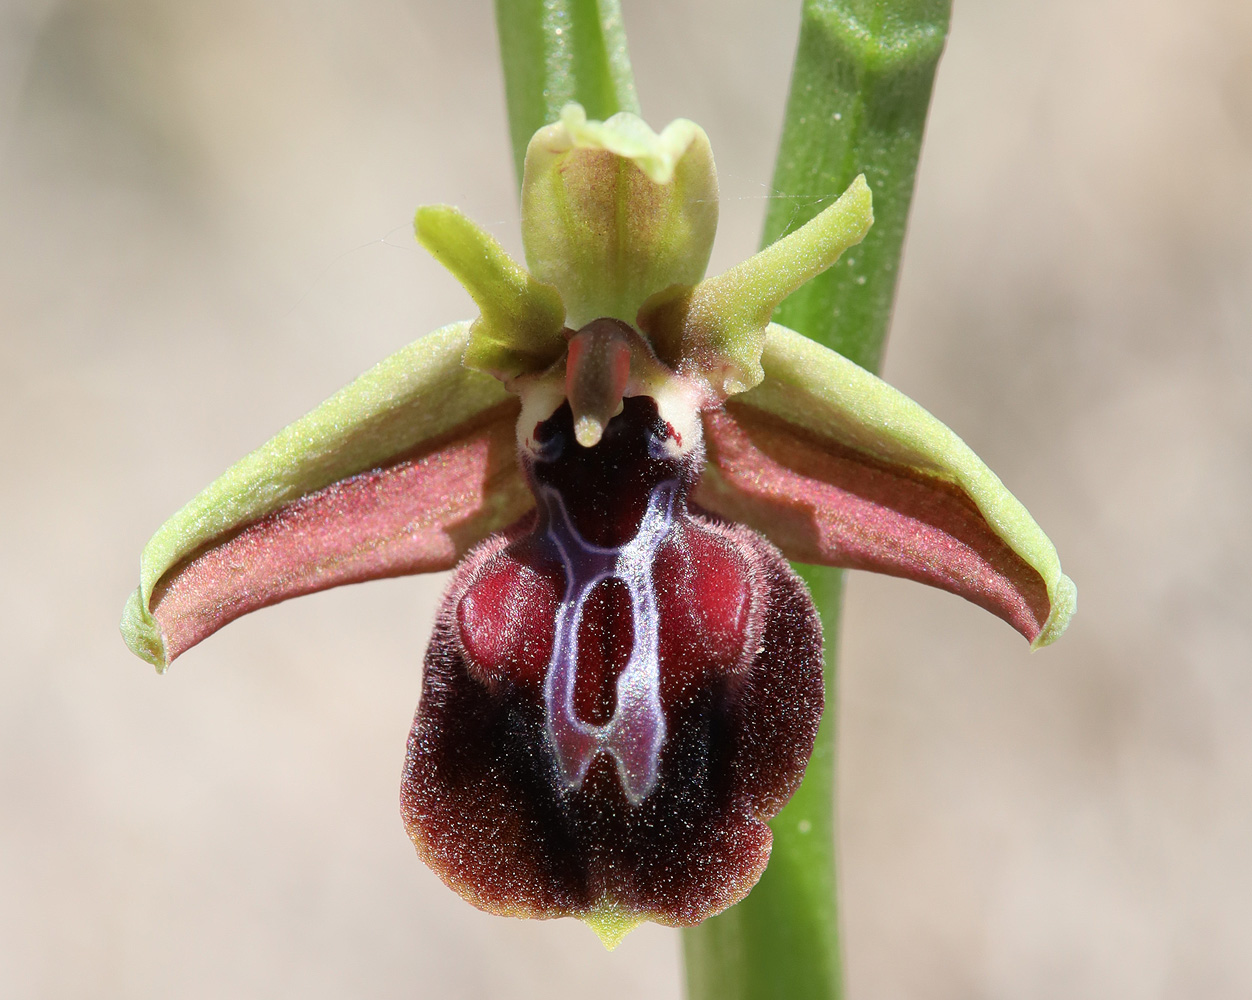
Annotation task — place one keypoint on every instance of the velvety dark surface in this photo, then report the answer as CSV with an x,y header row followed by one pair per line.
x,y
606,488
741,689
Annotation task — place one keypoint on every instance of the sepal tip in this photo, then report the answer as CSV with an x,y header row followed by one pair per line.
x,y
1064,601
142,634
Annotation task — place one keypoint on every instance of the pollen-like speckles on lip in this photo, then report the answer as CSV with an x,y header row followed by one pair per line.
x,y
741,690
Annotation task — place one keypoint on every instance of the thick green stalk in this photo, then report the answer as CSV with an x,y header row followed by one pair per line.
x,y
859,95
557,51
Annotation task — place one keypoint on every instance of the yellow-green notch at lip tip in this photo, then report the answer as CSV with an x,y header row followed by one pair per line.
x,y
611,923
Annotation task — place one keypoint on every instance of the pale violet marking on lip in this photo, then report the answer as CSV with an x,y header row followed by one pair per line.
x,y
636,732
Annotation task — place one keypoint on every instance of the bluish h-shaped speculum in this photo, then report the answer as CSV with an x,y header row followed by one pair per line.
x,y
636,732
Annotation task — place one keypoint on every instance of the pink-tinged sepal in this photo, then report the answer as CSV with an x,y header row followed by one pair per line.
x,y
403,471
838,468
616,698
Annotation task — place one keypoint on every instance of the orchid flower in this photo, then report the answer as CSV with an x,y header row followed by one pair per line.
x,y
618,456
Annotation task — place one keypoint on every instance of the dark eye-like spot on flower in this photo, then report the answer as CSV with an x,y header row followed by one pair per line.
x,y
550,439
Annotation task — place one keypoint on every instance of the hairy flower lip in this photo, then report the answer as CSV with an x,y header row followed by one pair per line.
x,y
612,826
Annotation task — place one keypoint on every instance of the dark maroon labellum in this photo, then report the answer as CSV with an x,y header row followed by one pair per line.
x,y
618,693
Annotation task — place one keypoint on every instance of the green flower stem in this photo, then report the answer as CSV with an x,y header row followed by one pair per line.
x,y
859,95
782,941
557,51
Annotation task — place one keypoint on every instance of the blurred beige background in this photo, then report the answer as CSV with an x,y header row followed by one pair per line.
x,y
204,230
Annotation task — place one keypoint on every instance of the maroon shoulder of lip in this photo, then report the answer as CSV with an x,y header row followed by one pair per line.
x,y
740,687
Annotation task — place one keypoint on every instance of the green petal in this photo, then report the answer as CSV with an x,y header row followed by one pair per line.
x,y
819,391
519,331
716,330
419,394
613,213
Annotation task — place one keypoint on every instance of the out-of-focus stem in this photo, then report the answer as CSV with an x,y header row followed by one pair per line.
x,y
557,51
